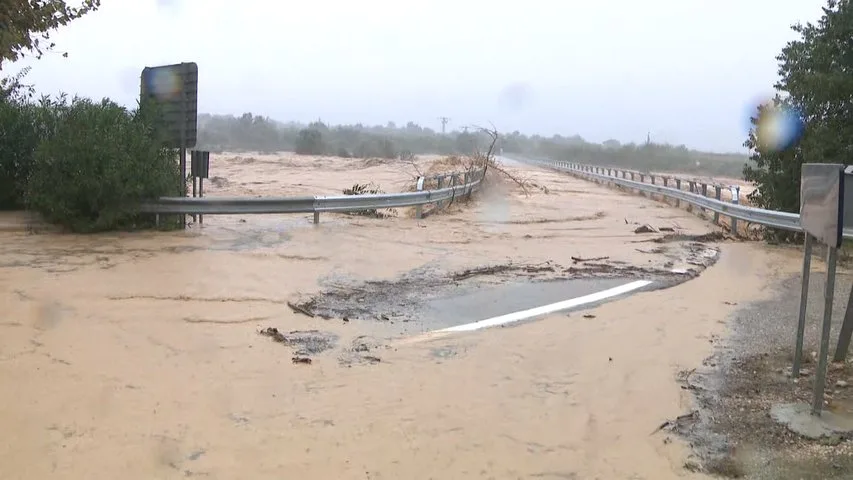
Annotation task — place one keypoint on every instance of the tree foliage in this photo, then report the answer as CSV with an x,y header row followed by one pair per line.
x,y
23,125
25,25
816,80
96,165
256,133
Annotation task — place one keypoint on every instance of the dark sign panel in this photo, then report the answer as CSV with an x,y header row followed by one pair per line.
x,y
174,88
822,202
200,164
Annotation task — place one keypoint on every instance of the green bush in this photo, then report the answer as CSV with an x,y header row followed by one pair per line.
x,y
17,144
99,162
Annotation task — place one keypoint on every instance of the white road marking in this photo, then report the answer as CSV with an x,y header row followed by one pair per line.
x,y
546,309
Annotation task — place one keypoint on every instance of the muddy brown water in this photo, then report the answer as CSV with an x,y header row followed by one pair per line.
x,y
138,355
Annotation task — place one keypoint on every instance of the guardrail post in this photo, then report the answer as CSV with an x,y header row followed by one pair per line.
x,y
642,180
632,176
692,187
718,194
440,181
316,218
735,200
665,182
704,194
678,186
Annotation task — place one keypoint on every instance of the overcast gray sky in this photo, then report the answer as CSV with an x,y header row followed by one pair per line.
x,y
684,70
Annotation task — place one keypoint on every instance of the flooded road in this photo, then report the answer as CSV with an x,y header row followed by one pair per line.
x,y
138,355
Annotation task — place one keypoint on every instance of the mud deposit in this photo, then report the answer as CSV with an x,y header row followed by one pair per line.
x,y
731,431
405,299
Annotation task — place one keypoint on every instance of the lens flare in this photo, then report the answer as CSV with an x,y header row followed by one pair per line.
x,y
164,83
779,127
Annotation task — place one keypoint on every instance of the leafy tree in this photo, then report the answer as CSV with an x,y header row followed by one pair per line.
x,y
25,25
815,80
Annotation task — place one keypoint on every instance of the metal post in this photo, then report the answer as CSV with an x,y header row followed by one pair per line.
x,y
183,176
704,194
201,195
829,290
195,192
692,187
316,217
735,199
678,186
804,298
183,152
440,184
845,333
718,194
419,208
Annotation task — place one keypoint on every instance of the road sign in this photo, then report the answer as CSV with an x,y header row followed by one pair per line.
x,y
174,89
822,202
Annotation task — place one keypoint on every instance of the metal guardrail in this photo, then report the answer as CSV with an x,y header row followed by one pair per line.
x,y
315,204
768,218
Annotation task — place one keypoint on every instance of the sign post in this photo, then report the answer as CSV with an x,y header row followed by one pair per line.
x,y
199,170
822,218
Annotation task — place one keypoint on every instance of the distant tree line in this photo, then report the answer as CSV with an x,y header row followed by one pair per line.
x,y
250,132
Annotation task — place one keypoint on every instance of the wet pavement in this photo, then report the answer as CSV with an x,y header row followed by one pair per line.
x,y
480,303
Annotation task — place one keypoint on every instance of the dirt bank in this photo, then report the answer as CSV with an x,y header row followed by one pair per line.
x,y
732,431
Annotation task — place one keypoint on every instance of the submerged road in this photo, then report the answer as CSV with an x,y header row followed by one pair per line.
x,y
139,355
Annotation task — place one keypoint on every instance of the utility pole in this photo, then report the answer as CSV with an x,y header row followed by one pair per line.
x,y
649,138
444,121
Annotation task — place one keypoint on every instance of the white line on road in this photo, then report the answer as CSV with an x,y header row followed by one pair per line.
x,y
546,309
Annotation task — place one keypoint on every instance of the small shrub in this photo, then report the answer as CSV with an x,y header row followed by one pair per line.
x,y
100,162
369,189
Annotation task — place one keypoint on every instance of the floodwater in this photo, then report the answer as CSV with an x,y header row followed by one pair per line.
x,y
138,355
